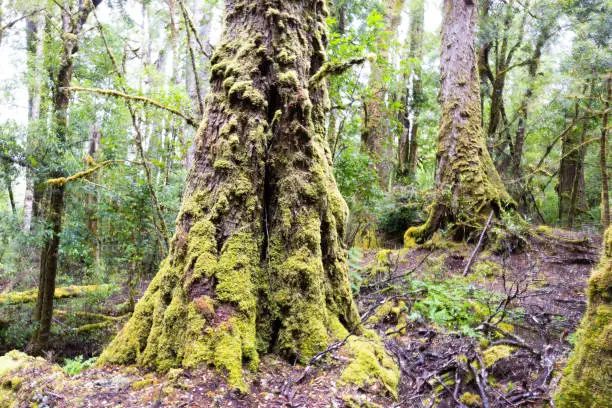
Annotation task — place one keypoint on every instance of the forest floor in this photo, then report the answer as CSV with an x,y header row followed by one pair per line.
x,y
497,337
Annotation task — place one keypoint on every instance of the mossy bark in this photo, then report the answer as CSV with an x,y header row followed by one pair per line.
x,y
586,383
603,152
571,187
375,134
256,264
408,144
468,186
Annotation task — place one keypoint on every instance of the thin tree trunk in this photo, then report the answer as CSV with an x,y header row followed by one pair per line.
x,y
92,198
408,145
578,189
603,151
571,172
34,47
468,186
43,315
9,187
374,137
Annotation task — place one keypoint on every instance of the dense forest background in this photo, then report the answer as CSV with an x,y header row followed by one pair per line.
x,y
100,103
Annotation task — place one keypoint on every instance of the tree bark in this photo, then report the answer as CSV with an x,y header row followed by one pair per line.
x,y
408,145
9,187
570,189
34,48
257,262
375,135
587,376
468,186
53,213
91,198
603,151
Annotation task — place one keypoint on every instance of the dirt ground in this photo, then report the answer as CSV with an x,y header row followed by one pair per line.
x,y
439,367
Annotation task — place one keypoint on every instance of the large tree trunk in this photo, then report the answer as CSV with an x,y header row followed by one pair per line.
x,y
53,213
256,263
375,135
467,184
408,144
587,379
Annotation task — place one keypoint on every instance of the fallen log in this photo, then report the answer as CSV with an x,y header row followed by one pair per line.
x,y
30,296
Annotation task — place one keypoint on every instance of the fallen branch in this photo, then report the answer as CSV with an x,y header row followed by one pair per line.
x,y
475,251
512,339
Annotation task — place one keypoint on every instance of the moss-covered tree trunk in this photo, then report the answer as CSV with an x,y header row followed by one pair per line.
x,y
408,144
468,186
587,377
571,187
603,152
256,264
375,134
72,25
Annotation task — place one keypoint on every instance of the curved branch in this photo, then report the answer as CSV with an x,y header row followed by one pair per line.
x,y
111,92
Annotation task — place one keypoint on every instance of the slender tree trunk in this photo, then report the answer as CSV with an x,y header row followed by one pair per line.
x,y
571,173
468,186
408,145
374,137
34,49
91,199
9,187
603,151
257,262
43,314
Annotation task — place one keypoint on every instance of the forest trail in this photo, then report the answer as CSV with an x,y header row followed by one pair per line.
x,y
430,329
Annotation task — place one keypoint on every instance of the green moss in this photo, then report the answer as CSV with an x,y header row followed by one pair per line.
x,y
244,90
13,360
288,80
586,382
496,353
471,400
370,363
60,293
139,385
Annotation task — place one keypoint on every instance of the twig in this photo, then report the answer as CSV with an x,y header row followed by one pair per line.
x,y
459,404
479,381
514,339
400,275
469,264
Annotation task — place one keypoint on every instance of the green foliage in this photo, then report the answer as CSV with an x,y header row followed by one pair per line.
x,y
73,366
401,209
453,304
